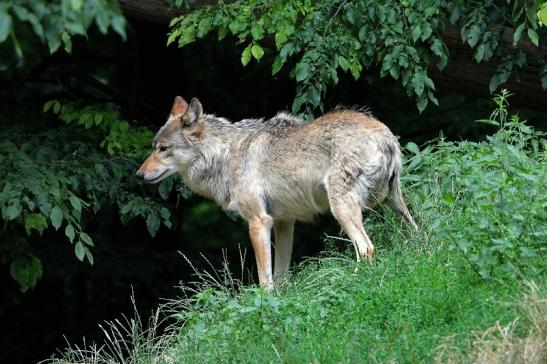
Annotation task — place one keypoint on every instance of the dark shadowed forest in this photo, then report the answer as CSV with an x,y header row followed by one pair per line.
x,y
85,85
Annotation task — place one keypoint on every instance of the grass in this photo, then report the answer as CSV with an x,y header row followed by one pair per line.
x,y
399,309
410,305
468,287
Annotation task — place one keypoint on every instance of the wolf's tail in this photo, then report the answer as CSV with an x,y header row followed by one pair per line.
x,y
395,196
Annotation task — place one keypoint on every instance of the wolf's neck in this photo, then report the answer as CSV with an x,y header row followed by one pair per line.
x,y
208,176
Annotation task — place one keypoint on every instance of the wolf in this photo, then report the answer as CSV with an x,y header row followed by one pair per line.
x,y
273,172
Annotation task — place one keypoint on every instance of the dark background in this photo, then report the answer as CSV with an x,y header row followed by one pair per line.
x,y
144,76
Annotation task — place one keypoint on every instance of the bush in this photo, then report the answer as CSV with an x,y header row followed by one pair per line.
x,y
56,180
487,199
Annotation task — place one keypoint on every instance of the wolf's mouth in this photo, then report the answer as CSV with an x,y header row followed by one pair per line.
x,y
158,178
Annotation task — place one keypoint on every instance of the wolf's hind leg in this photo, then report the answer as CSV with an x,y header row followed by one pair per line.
x,y
348,213
283,232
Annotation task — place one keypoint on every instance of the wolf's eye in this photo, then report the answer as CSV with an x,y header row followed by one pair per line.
x,y
163,148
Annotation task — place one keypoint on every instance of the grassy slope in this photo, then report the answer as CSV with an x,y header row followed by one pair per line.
x,y
398,308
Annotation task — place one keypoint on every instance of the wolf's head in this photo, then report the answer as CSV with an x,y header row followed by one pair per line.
x,y
173,145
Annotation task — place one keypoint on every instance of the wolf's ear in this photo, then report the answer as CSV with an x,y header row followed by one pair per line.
x,y
179,106
194,113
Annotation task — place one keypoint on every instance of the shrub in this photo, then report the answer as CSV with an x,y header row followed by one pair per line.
x,y
487,199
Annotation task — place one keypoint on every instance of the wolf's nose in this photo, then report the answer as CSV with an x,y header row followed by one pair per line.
x,y
140,175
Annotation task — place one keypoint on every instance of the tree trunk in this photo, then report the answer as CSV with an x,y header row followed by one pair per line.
x,y
461,74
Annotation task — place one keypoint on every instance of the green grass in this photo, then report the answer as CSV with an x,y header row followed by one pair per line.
x,y
398,308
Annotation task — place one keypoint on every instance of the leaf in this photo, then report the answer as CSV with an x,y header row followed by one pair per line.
x,y
439,49
69,232
394,71
77,4
494,82
165,187
412,147
89,256
56,217
75,28
12,211
257,52
356,68
166,214
36,222
76,203
518,34
79,250
479,54
343,62
314,95
101,19
426,31
276,66
56,107
153,224
5,26
416,32
280,39
363,33
418,81
172,37
127,207
257,31
533,35
53,37
204,27
473,36
48,106
89,123
26,271
501,76
432,98
86,239
302,71
544,81
431,10
422,103
542,14
246,55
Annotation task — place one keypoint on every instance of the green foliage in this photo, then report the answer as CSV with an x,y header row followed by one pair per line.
x,y
26,270
53,182
317,40
542,14
52,23
118,138
492,194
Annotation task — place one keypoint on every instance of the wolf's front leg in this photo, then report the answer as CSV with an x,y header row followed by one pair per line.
x,y
260,228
